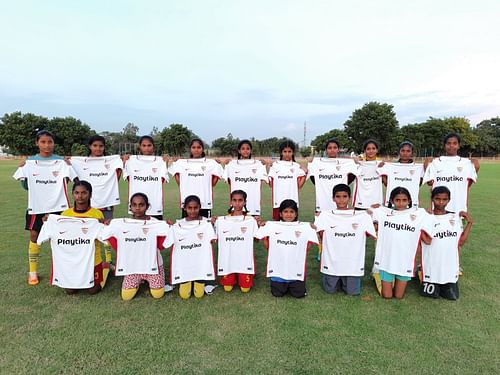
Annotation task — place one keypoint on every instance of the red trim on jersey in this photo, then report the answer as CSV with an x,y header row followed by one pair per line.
x,y
271,182
159,242
422,265
213,258
179,187
416,252
32,221
355,189
65,191
52,270
171,259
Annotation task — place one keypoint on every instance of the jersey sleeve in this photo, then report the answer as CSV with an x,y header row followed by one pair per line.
x,y
217,170
20,173
263,231
225,172
427,222
383,170
300,171
169,239
262,172
472,172
430,173
369,227
126,169
174,168
319,222
311,170
312,237
108,231
45,232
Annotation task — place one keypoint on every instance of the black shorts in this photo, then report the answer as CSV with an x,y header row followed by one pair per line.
x,y
448,291
296,289
35,222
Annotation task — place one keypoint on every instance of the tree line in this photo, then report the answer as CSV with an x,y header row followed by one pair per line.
x,y
373,121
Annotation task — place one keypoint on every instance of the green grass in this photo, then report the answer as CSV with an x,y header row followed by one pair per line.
x,y
45,331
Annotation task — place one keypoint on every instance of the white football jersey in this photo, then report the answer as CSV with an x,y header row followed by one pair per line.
x,y
246,175
235,236
402,175
101,173
46,185
455,173
440,259
344,241
369,189
288,244
72,241
136,243
327,173
196,179
399,235
146,174
192,253
283,178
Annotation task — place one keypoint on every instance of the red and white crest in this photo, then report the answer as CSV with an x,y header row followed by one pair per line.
x,y
413,217
452,222
460,169
338,167
243,229
154,170
106,166
298,233
200,236
85,230
145,230
412,171
254,170
292,170
355,226
55,173
203,168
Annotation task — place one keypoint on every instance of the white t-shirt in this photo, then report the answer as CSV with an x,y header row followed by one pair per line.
x,y
235,236
136,243
344,241
196,179
192,253
288,244
146,174
369,189
327,173
72,241
101,173
402,175
440,259
246,175
46,185
398,238
455,173
283,178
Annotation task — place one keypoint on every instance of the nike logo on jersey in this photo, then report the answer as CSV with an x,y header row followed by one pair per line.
x,y
63,232
225,231
277,233
35,174
126,232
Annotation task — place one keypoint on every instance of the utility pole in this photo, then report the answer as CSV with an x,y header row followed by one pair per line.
x,y
305,132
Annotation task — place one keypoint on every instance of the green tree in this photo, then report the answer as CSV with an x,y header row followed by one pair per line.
x,y
175,139
270,146
69,132
373,121
17,132
226,145
488,135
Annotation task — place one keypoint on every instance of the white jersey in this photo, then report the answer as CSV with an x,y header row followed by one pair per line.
x,y
440,259
46,185
146,174
192,253
235,236
72,241
283,178
327,173
369,191
404,175
195,178
136,243
344,241
455,173
288,244
101,173
246,175
399,235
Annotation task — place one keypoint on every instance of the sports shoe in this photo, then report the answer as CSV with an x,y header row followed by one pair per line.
x,y
33,278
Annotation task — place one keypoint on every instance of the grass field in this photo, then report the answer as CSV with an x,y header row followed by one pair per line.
x,y
45,331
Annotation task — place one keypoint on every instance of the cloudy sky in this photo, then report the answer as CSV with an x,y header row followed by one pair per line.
x,y
251,68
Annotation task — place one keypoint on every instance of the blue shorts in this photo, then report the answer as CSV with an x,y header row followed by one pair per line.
x,y
389,277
